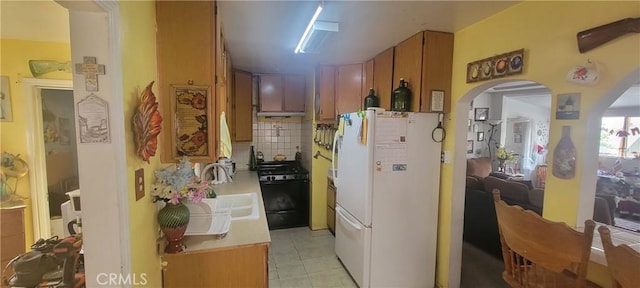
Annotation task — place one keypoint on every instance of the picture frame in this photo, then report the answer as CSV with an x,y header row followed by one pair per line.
x,y
469,146
568,106
6,114
480,136
481,114
190,129
437,100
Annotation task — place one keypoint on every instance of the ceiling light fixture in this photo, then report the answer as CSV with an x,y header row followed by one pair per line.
x,y
315,34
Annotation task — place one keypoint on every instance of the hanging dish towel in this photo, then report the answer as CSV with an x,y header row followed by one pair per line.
x,y
225,137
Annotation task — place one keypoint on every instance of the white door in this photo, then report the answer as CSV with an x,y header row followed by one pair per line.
x,y
353,246
354,172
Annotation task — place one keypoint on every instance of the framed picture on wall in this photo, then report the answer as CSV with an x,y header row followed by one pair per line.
x,y
481,114
469,146
5,100
480,136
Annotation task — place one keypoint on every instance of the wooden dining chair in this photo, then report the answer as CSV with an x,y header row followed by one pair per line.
x,y
623,262
541,253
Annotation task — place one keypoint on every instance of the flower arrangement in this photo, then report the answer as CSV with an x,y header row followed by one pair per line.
x,y
503,155
175,185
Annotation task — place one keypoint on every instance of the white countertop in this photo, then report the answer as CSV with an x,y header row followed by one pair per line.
x,y
241,232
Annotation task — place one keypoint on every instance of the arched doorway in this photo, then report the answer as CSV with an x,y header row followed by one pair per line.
x,y
592,144
499,130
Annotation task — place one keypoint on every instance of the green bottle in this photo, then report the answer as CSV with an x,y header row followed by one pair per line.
x,y
371,100
401,98
252,160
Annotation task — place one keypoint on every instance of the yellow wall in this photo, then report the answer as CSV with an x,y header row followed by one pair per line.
x,y
547,32
14,63
138,70
319,166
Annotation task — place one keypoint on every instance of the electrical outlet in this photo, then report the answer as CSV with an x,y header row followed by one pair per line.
x,y
139,182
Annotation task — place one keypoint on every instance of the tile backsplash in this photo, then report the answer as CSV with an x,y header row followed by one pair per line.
x,y
275,137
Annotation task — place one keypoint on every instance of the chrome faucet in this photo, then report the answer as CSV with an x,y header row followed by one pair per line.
x,y
216,174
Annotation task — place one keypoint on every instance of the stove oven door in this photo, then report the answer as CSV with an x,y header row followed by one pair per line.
x,y
286,203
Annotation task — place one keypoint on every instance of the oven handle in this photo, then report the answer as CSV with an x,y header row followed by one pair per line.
x,y
346,218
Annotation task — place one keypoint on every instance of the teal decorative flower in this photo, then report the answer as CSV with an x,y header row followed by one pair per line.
x,y
180,183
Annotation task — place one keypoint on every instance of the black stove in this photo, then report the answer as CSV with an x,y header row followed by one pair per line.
x,y
281,171
285,192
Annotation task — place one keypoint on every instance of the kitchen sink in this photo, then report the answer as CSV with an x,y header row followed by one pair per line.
x,y
242,206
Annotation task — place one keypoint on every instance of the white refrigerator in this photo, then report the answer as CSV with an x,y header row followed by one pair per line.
x,y
388,183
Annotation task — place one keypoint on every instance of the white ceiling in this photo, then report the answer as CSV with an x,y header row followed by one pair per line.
x,y
261,35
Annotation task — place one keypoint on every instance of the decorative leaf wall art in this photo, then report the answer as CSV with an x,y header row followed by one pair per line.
x,y
147,124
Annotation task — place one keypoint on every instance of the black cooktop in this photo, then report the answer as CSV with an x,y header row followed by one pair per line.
x,y
281,170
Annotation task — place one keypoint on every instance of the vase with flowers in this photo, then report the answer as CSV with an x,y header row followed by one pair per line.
x,y
502,155
174,186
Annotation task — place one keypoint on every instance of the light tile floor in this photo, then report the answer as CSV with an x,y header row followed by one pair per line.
x,y
299,257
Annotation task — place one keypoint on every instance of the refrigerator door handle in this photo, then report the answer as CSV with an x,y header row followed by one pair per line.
x,y
346,218
333,158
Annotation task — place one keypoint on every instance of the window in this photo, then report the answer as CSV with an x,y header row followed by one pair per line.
x,y
620,137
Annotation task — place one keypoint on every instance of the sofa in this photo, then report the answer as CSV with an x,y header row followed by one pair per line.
x,y
480,222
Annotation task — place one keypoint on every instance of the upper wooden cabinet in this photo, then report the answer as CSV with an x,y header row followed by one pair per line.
x,y
294,90
186,51
271,93
437,65
367,79
242,106
407,64
349,88
325,92
281,93
383,77
425,61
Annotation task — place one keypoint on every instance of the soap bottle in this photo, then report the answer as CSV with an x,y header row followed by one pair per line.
x,y
252,160
401,98
371,100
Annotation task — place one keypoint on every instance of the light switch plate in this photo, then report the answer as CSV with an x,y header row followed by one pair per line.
x,y
139,182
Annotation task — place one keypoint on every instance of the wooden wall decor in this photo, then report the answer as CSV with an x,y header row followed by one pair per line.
x,y
147,124
495,67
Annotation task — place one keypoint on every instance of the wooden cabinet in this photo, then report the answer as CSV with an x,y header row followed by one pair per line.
x,y
437,65
331,205
367,79
12,237
271,90
242,106
186,51
240,266
425,61
325,93
281,93
294,90
383,77
407,64
349,88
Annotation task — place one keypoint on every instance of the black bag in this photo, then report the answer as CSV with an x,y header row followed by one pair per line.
x,y
29,268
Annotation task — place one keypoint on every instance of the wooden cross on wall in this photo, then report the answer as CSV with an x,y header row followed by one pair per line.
x,y
90,69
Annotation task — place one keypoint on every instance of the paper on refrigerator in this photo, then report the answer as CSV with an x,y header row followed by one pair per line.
x,y
391,144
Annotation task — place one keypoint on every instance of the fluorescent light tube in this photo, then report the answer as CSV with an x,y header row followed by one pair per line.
x,y
307,31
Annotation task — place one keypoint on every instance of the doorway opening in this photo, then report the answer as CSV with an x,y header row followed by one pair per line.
x,y
61,153
51,104
506,127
